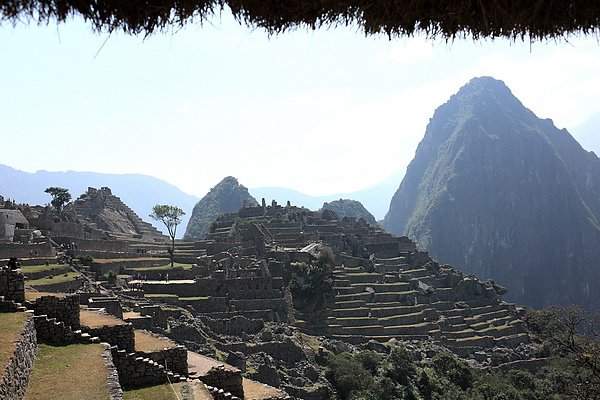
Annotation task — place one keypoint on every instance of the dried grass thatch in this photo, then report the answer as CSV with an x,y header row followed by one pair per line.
x,y
534,19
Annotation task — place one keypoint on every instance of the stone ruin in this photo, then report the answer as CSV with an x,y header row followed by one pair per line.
x,y
384,287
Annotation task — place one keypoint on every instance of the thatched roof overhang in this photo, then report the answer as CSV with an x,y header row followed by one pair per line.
x,y
534,19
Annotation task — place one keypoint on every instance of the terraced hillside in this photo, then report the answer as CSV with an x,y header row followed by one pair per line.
x,y
396,301
382,287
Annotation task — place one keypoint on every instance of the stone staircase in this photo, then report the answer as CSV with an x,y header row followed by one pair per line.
x,y
53,332
10,305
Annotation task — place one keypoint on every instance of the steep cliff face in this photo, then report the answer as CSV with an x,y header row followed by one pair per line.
x,y
505,195
227,196
349,208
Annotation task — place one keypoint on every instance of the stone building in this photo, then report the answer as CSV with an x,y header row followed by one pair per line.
x,y
13,226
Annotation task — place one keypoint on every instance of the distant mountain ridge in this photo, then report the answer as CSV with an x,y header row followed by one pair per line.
x,y
505,195
376,198
140,192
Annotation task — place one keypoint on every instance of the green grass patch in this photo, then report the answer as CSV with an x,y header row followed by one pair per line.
x,y
160,295
72,372
69,276
28,269
193,298
113,260
11,326
161,267
176,391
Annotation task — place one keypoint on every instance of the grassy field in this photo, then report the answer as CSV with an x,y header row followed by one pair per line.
x,y
112,260
161,268
144,341
69,276
72,372
32,296
27,269
159,295
176,391
95,319
11,326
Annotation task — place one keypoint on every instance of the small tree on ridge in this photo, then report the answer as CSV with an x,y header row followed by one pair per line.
x,y
170,216
60,197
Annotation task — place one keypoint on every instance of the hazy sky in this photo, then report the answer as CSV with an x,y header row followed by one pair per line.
x,y
319,111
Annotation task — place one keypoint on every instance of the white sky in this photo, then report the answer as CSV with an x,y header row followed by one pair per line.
x,y
322,112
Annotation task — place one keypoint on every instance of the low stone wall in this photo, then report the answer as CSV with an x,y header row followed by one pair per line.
x,y
48,272
12,284
50,331
110,304
15,376
144,322
233,326
137,371
61,287
118,246
173,359
19,250
286,350
227,380
65,309
114,387
208,305
102,268
117,335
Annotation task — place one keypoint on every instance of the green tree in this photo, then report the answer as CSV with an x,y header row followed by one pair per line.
x,y
60,197
170,216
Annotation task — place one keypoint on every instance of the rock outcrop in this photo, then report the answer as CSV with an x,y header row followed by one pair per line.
x,y
505,195
349,208
226,197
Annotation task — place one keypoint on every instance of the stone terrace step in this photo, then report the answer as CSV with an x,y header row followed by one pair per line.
x,y
395,310
353,321
351,312
414,329
384,287
339,304
363,277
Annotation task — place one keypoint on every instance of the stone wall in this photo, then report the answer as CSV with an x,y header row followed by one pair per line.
x,y
48,272
233,326
19,250
69,286
65,309
117,335
117,246
174,359
114,387
227,380
14,379
12,285
135,371
112,305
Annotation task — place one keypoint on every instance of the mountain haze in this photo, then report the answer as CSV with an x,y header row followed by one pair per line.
x,y
226,197
588,133
376,198
505,195
140,192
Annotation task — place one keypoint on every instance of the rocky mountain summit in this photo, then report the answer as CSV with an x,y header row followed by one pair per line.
x,y
503,194
226,197
349,208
